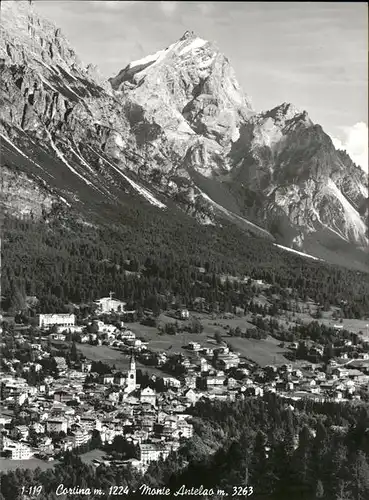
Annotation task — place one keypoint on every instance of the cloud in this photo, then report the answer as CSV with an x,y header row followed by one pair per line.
x,y
355,142
111,4
168,8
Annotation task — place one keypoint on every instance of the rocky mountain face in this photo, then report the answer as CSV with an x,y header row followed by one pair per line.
x,y
173,129
23,197
292,168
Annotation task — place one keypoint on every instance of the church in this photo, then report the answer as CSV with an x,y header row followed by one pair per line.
x,y
128,380
131,376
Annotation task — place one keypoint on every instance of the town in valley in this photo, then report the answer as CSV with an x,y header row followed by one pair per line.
x,y
119,389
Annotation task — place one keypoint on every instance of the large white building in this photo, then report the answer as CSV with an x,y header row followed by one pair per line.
x,y
16,449
151,452
148,395
108,304
81,437
61,320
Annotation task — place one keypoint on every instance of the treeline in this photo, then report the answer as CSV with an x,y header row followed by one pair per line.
x,y
147,260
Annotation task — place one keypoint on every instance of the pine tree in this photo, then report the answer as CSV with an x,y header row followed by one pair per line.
x,y
319,491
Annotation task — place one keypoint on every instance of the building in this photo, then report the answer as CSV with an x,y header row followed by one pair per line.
x,y
120,379
48,320
190,381
191,396
81,437
90,422
194,346
108,379
132,342
185,429
213,381
86,366
61,364
16,450
204,366
227,361
148,395
63,396
38,428
56,425
172,382
131,375
58,336
108,304
20,397
151,452
21,431
183,313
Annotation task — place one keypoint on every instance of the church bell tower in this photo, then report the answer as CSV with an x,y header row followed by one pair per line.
x,y
131,376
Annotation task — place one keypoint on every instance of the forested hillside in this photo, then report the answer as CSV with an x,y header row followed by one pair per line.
x,y
63,260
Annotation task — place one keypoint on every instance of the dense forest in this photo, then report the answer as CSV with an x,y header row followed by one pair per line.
x,y
148,255
306,450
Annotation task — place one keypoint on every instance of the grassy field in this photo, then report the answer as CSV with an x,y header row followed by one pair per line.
x,y
172,343
88,457
213,325
263,352
7,464
112,357
350,324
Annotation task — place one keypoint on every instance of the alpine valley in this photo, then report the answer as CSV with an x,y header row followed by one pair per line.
x,y
172,137
234,358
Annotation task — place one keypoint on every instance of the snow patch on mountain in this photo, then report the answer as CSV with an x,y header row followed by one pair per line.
x,y
231,214
71,90
206,63
142,191
83,161
118,140
146,60
363,190
195,44
296,252
45,82
60,155
65,201
353,219
66,69
21,152
151,58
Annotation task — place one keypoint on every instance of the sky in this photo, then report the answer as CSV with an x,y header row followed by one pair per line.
x,y
312,54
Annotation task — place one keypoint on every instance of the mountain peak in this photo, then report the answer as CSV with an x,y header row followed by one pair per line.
x,y
30,39
286,112
188,35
